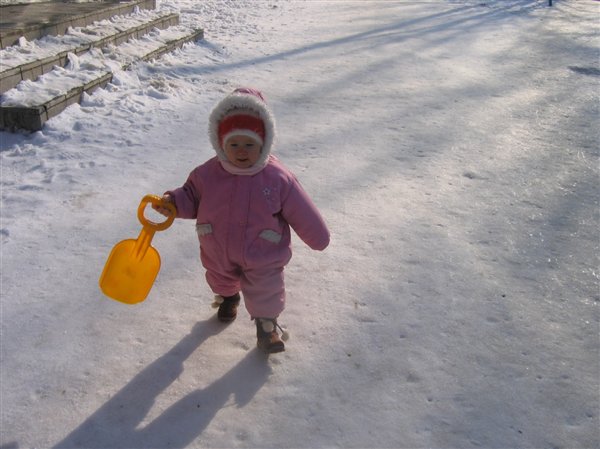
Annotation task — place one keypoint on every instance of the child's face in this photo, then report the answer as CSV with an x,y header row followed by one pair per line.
x,y
242,151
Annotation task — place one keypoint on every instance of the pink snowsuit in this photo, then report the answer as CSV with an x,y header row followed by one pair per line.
x,y
243,224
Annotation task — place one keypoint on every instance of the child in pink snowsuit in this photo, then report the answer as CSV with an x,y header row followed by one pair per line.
x,y
244,201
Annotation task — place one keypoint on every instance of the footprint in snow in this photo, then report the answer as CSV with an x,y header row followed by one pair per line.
x,y
473,175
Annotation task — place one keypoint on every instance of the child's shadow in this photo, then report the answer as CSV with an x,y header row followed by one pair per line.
x,y
117,423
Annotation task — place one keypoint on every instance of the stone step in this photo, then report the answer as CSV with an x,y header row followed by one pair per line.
x,y
32,103
52,18
29,63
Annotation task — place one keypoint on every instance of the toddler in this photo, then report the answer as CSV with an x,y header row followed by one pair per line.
x,y
244,201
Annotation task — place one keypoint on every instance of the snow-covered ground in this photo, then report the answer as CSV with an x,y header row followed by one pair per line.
x,y
452,146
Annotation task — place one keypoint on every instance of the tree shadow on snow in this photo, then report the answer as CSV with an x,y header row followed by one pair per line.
x,y
460,18
117,423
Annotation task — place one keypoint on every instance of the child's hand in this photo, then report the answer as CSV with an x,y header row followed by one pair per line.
x,y
163,210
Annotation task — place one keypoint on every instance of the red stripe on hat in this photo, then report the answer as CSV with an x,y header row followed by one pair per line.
x,y
241,122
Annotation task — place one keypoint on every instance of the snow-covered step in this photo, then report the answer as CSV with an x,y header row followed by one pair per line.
x,y
31,103
63,15
30,60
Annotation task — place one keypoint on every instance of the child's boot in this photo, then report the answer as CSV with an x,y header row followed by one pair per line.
x,y
228,306
267,336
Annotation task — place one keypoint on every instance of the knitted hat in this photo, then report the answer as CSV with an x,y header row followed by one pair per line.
x,y
243,112
241,123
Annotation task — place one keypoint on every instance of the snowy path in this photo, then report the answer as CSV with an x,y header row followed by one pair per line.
x,y
452,147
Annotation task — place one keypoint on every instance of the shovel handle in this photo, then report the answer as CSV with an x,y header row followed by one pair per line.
x,y
157,201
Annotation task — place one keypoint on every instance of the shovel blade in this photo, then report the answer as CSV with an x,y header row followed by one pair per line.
x,y
127,278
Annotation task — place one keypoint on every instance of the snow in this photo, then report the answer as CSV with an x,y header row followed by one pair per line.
x,y
49,46
91,65
451,145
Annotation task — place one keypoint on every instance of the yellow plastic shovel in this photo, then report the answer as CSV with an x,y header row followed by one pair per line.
x,y
132,265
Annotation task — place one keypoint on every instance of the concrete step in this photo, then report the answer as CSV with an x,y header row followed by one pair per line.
x,y
32,103
40,57
52,18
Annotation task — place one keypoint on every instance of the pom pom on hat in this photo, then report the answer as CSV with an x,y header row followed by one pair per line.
x,y
250,91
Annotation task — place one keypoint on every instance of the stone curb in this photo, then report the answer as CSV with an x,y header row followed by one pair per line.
x,y
30,71
82,20
32,118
